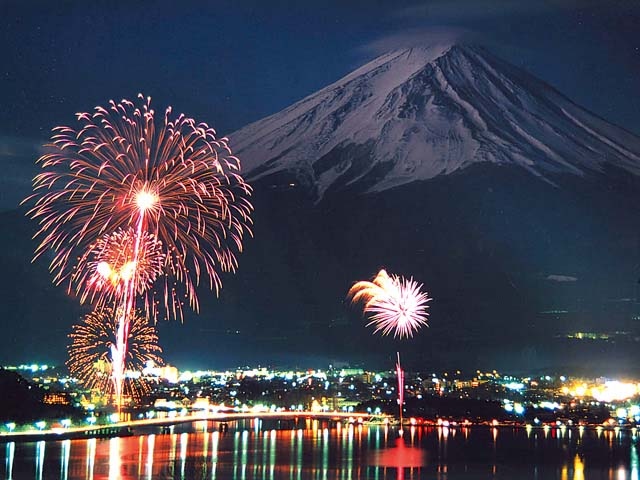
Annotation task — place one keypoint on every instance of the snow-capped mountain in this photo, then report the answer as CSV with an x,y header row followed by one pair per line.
x,y
417,113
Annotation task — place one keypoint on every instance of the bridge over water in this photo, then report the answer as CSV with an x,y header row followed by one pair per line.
x,y
129,427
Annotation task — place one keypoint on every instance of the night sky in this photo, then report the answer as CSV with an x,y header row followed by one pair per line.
x,y
231,63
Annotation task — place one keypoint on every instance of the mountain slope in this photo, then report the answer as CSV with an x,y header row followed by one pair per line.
x,y
417,113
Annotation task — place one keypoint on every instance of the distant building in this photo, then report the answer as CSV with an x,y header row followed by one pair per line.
x,y
56,398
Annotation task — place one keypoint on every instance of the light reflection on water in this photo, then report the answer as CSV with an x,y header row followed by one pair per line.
x,y
323,450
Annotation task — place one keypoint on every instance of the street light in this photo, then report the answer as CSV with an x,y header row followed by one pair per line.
x,y
11,426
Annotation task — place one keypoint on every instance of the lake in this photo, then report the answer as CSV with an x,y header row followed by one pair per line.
x,y
255,449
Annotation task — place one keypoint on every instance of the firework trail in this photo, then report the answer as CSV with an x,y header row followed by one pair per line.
x,y
395,304
400,374
90,356
167,193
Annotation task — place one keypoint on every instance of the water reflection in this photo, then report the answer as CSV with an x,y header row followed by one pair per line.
x,y
40,447
64,459
324,450
184,439
10,450
151,443
91,455
114,459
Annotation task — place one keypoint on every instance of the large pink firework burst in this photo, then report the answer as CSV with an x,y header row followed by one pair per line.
x,y
124,170
395,304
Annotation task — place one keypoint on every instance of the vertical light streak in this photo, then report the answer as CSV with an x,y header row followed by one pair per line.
x,y
140,449
578,468
236,453
244,454
40,447
91,458
64,459
299,445
10,451
215,438
115,462
291,452
272,454
349,458
205,446
325,452
400,375
265,452
151,443
184,438
172,454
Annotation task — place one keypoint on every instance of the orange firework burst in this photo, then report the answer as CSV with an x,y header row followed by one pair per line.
x,y
105,269
91,347
395,304
123,170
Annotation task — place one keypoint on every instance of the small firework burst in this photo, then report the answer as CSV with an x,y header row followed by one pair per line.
x,y
395,304
90,352
105,270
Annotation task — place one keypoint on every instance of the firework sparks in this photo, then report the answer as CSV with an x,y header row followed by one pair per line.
x,y
123,171
395,304
102,273
90,352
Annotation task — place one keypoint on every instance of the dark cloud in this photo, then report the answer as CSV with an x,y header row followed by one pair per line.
x,y
419,36
561,278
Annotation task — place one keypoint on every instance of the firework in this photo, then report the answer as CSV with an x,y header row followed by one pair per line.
x,y
101,275
395,304
90,352
124,171
366,291
166,193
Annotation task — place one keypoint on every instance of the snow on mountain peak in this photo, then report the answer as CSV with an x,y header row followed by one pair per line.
x,y
415,113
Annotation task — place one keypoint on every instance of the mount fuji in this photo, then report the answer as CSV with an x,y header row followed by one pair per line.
x,y
509,201
513,205
418,113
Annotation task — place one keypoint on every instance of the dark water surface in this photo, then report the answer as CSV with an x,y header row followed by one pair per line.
x,y
320,450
